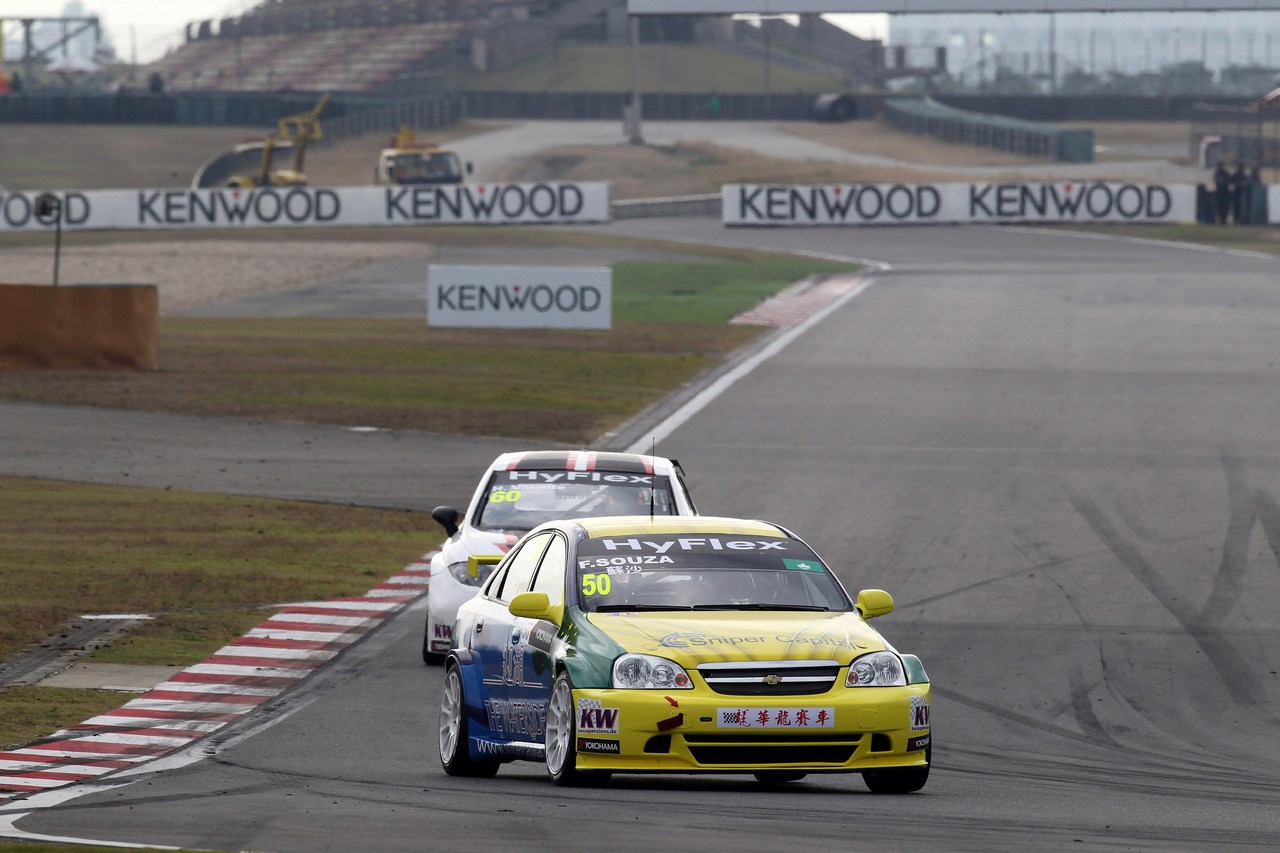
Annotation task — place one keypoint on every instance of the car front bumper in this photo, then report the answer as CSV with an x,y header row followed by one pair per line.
x,y
843,730
444,596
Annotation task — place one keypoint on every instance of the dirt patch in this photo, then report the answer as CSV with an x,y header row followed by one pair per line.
x,y
1128,139
192,273
94,157
654,171
879,140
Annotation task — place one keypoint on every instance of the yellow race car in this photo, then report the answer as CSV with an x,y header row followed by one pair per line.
x,y
673,645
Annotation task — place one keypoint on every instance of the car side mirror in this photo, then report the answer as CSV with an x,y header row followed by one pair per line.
x,y
874,602
447,516
471,167
531,605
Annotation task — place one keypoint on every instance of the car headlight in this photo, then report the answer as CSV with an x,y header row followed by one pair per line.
x,y
462,576
646,672
878,669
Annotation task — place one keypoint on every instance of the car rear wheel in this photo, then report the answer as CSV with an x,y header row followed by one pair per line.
x,y
779,777
455,753
561,743
904,781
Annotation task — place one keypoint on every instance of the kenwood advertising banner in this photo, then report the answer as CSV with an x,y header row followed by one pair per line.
x,y
519,297
916,204
288,207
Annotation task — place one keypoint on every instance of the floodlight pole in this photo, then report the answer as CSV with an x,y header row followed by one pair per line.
x,y
633,125
49,210
57,248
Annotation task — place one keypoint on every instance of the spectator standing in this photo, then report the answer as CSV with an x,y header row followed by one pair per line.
x,y
1222,194
1204,205
1257,212
1240,195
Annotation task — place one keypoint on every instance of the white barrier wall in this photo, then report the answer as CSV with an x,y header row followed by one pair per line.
x,y
487,204
915,204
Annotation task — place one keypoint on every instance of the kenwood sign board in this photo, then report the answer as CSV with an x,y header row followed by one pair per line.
x,y
290,207
519,297
917,204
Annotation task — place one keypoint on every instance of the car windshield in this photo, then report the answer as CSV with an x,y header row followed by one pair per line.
x,y
432,168
523,499
703,572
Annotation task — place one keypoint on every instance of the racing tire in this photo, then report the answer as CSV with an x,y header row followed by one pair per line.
x,y
905,781
455,754
779,777
561,739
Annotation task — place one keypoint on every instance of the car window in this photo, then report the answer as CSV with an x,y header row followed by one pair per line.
x,y
520,566
550,577
704,572
522,499
495,581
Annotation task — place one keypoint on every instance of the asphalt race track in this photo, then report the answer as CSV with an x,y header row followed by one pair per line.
x,y
1058,452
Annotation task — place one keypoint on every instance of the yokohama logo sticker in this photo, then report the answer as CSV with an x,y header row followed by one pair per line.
x,y
609,747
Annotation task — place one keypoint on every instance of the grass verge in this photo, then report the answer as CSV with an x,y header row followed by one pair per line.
x,y
563,386
207,567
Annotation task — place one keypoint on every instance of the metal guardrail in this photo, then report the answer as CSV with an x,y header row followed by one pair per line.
x,y
926,116
692,205
419,114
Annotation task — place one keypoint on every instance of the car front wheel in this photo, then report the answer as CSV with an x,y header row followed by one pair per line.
x,y
455,752
904,781
561,747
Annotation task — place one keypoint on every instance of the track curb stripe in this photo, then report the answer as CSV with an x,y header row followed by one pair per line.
x,y
236,680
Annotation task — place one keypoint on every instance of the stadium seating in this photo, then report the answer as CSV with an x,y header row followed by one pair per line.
x,y
353,59
328,45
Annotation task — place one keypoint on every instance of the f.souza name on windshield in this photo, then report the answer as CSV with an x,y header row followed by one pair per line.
x,y
699,543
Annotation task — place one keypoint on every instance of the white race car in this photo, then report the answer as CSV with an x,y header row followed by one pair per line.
x,y
519,492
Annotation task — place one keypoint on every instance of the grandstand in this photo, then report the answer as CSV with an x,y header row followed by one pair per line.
x,y
327,45
415,46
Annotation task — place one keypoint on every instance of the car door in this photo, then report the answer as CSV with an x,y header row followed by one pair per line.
x,y
498,644
537,636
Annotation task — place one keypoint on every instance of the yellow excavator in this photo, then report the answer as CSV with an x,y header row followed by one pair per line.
x,y
255,163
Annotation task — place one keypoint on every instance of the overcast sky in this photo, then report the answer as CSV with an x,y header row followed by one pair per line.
x,y
153,26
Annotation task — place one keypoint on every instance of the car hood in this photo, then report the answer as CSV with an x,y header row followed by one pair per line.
x,y
480,543
690,639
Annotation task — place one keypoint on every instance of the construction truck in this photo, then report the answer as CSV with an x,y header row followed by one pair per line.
x,y
277,160
409,161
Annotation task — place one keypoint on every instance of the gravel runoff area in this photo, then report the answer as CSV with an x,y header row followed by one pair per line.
x,y
193,273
